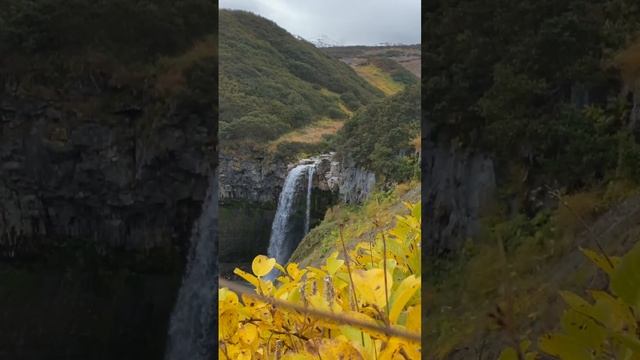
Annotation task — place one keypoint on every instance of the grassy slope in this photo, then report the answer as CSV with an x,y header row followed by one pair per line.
x,y
313,133
266,71
542,257
388,68
358,223
378,78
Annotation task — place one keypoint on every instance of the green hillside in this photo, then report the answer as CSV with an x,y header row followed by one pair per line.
x,y
548,90
379,137
272,82
126,30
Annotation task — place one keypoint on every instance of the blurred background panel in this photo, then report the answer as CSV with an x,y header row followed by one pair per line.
x,y
107,142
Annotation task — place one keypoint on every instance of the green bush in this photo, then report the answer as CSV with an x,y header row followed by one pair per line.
x,y
256,127
131,30
350,101
265,70
379,137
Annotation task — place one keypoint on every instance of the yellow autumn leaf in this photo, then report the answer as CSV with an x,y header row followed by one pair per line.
x,y
414,319
249,277
285,289
403,293
228,321
388,353
227,298
240,354
333,263
338,349
369,286
294,272
248,334
262,265
299,356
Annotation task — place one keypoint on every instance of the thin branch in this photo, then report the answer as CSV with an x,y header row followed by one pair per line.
x,y
384,266
321,314
346,260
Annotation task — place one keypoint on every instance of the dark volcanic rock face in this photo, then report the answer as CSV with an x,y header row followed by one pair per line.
x,y
251,177
99,190
116,179
459,185
250,186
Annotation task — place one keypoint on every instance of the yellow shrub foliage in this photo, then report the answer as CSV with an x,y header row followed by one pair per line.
x,y
377,282
603,327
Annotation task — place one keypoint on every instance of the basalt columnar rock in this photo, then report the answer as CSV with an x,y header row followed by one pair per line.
x,y
250,187
460,185
99,189
103,178
259,179
250,178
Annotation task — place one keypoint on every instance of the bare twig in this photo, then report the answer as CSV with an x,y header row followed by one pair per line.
x,y
384,268
321,314
346,260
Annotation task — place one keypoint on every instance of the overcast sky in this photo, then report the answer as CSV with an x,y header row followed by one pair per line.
x,y
344,22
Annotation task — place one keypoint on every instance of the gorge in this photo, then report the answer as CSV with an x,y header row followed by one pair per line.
x,y
292,202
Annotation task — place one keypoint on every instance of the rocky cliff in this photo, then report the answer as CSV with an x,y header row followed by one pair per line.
x,y
259,178
99,189
250,187
459,186
116,179
253,178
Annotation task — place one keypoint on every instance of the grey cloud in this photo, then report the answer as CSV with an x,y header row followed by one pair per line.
x,y
346,22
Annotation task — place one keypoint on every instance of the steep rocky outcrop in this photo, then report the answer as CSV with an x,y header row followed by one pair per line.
x,y
107,179
250,178
249,191
459,185
259,179
99,189
355,184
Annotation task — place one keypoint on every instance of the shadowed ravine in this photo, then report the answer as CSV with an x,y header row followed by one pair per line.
x,y
192,331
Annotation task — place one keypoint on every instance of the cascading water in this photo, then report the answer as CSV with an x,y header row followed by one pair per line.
x,y
307,220
192,331
279,247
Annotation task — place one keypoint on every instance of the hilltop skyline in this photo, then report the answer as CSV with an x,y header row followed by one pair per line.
x,y
333,22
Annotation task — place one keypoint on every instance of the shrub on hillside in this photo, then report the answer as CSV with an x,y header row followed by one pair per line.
x,y
254,127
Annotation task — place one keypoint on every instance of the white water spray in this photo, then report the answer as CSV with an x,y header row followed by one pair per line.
x,y
307,220
192,332
279,248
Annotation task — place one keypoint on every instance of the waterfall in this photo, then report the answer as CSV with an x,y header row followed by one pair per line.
x,y
192,331
307,220
279,247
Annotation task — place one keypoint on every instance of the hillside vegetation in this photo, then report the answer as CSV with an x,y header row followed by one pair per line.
x,y
541,86
366,268
380,137
272,82
143,29
534,83
157,51
388,68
